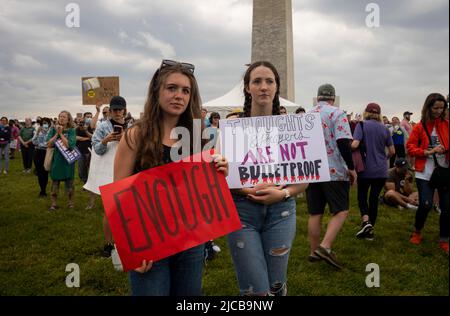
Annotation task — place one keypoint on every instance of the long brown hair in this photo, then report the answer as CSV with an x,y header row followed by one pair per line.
x,y
429,102
149,131
248,96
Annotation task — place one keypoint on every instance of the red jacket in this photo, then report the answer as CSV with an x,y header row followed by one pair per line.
x,y
418,141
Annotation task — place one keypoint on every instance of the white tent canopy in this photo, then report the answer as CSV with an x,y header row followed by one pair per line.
x,y
235,99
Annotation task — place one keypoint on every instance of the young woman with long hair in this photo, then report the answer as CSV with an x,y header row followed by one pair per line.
x,y
428,156
260,250
173,100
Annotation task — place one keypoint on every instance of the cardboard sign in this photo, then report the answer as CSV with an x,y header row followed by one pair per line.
x,y
165,210
284,149
99,88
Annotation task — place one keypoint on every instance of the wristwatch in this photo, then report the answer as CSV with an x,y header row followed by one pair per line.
x,y
287,194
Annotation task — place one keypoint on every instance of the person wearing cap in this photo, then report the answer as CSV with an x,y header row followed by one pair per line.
x,y
335,193
110,132
236,113
399,187
429,145
406,121
376,137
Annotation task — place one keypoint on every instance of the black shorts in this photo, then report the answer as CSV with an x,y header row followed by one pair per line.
x,y
335,193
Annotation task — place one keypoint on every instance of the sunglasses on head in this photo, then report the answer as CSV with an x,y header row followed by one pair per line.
x,y
168,63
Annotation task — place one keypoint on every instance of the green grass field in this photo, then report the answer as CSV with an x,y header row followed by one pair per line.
x,y
36,245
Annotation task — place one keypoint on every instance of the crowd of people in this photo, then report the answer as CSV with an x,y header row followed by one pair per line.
x,y
395,155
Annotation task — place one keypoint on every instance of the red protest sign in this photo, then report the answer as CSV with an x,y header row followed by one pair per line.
x,y
165,210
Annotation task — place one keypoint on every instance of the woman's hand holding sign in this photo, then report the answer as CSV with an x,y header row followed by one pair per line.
x,y
145,267
221,164
267,194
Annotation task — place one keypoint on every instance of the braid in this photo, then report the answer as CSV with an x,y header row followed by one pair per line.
x,y
276,104
247,105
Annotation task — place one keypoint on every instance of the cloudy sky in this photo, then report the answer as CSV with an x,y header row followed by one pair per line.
x,y
396,64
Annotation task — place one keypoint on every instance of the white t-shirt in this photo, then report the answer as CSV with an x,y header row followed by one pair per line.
x,y
430,164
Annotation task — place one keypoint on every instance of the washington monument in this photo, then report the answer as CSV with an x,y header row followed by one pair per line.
x,y
272,40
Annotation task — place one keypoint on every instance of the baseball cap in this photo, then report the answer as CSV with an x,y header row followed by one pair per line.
x,y
401,163
407,113
373,108
117,103
326,91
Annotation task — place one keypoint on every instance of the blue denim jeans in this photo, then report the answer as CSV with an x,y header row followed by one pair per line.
x,y
260,250
426,194
177,275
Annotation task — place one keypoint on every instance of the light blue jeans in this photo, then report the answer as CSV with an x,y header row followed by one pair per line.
x,y
177,275
260,250
4,152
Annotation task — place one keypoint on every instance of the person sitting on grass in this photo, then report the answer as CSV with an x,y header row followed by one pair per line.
x,y
399,187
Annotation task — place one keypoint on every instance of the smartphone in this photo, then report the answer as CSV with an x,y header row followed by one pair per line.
x,y
118,129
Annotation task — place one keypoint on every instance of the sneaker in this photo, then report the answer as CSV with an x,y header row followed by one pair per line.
x,y
401,208
444,246
106,253
280,290
211,250
329,257
416,238
370,235
437,208
365,228
412,207
5,172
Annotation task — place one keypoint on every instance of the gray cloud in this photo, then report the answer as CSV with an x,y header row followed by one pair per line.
x,y
42,61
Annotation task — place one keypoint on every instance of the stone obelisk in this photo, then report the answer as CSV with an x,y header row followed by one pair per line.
x,y
272,40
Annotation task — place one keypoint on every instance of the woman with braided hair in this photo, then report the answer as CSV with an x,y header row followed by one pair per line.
x,y
260,250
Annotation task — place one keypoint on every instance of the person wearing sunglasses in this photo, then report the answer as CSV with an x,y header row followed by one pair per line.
x,y
173,100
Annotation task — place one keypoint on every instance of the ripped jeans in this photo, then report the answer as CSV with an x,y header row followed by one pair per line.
x,y
260,250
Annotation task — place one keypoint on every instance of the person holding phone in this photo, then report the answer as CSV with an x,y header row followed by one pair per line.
x,y
107,132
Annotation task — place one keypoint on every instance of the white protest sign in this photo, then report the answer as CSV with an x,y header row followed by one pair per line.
x,y
101,169
283,149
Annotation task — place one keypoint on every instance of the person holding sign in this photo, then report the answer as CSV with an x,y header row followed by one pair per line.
x,y
105,138
61,170
173,100
260,250
338,139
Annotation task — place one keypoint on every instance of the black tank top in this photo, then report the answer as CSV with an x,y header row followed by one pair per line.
x,y
166,159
